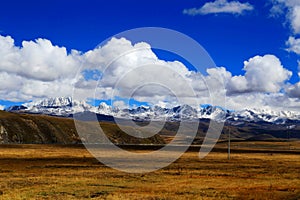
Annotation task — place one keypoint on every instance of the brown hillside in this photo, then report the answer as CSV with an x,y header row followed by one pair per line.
x,y
38,129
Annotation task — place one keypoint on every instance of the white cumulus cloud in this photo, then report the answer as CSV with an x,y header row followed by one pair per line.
x,y
262,74
220,6
293,45
295,18
39,60
293,12
271,101
290,8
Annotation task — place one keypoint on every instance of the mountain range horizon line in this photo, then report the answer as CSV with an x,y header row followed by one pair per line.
x,y
67,106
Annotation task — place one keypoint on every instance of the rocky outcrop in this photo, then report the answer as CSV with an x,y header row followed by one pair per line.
x,y
3,135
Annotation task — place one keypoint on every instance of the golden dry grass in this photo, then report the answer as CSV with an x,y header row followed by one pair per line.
x,y
70,172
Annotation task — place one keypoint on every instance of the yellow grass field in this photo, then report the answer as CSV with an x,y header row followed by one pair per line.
x,y
70,172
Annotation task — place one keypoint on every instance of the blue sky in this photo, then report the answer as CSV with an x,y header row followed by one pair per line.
x,y
229,38
82,25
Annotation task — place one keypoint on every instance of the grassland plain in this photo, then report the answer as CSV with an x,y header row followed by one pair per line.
x,y
70,172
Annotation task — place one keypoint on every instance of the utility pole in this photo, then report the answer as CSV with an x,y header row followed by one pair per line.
x,y
228,143
289,128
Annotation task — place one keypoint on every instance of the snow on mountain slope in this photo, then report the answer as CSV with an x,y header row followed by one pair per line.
x,y
60,106
65,106
257,115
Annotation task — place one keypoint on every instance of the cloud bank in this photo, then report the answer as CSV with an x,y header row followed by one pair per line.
x,y
220,6
39,69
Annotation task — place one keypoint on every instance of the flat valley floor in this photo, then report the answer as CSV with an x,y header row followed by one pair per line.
x,y
70,172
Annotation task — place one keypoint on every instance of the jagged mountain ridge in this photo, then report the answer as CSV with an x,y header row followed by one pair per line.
x,y
67,107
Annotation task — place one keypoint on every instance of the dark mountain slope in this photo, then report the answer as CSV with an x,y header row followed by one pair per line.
x,y
29,128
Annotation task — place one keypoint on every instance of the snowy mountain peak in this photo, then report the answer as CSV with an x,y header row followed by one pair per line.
x,y
256,115
104,109
60,106
54,102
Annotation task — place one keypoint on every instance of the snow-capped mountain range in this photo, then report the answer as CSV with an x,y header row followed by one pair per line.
x,y
65,106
